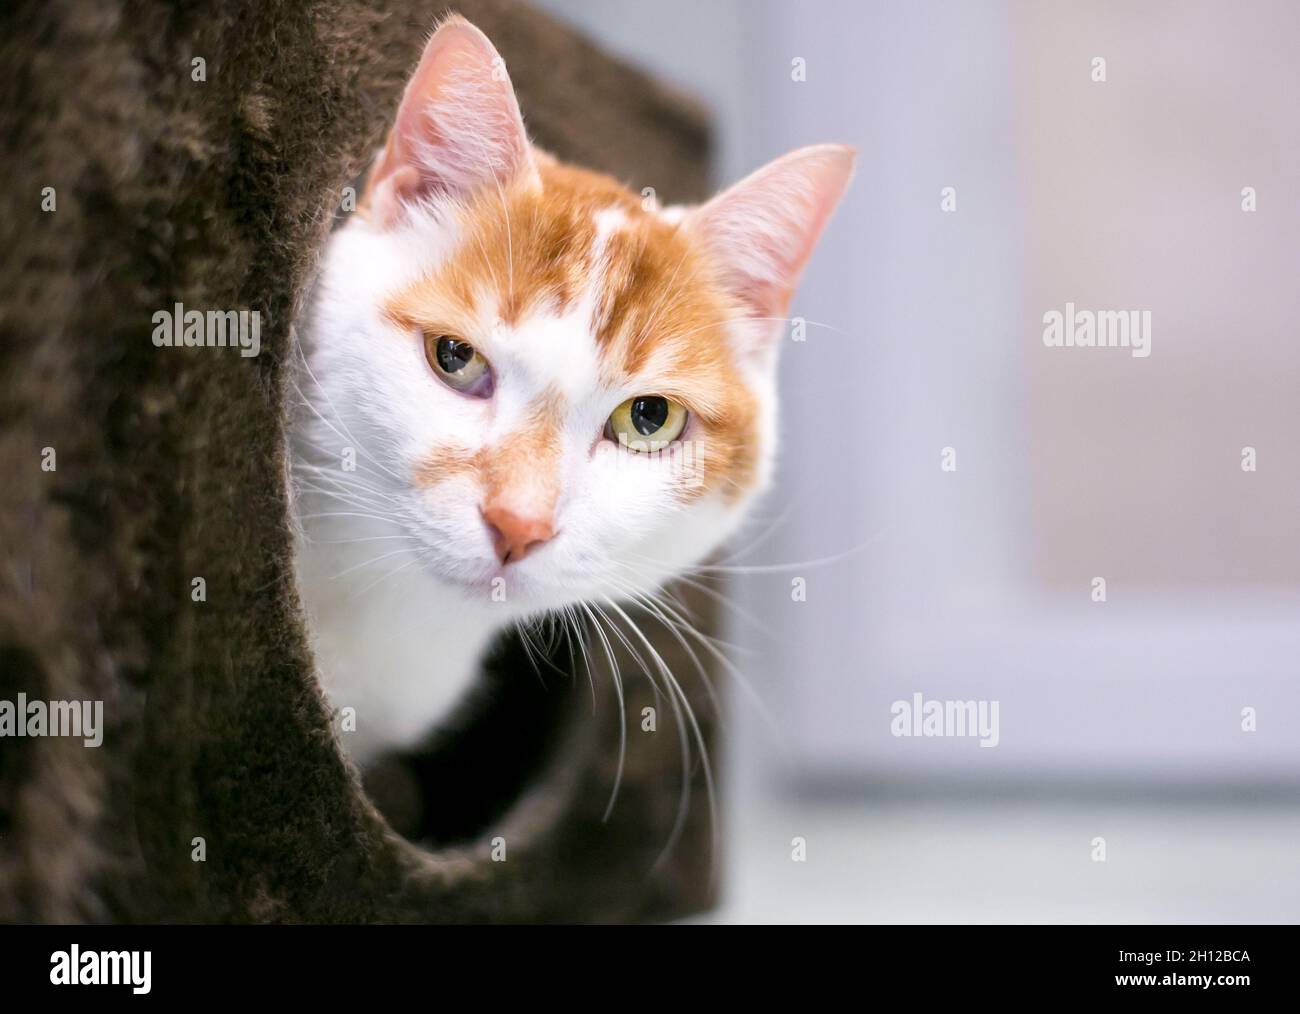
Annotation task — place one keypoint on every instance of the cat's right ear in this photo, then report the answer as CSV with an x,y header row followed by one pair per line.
x,y
458,127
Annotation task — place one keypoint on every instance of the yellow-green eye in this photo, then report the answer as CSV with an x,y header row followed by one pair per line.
x,y
459,364
647,422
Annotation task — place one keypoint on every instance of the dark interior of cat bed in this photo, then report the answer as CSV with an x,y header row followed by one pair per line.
x,y
197,155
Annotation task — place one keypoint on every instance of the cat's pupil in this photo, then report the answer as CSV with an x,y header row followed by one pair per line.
x,y
453,354
649,414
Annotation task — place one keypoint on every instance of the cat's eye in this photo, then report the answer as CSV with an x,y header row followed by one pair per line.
x,y
458,364
648,422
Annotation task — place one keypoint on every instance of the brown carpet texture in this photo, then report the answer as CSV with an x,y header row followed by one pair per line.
x,y
128,471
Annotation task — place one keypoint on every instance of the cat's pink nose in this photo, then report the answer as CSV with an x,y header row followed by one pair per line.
x,y
514,536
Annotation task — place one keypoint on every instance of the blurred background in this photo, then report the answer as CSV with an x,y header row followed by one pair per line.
x,y
1127,719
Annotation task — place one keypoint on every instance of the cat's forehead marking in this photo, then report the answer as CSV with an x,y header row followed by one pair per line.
x,y
548,350
530,249
554,342
607,220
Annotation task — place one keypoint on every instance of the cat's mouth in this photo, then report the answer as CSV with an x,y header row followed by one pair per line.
x,y
549,578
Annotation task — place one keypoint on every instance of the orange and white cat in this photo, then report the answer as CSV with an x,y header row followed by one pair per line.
x,y
524,388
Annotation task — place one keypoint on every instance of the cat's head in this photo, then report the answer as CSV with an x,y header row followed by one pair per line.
x,y
569,392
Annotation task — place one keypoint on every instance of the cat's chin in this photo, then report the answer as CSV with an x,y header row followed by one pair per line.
x,y
518,592
508,586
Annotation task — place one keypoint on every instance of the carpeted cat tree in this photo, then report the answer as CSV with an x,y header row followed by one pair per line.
x,y
161,152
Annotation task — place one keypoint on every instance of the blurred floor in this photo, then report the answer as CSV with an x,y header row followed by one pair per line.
x,y
920,852
1026,860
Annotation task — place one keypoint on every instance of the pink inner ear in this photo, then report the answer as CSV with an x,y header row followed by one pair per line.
x,y
458,127
763,229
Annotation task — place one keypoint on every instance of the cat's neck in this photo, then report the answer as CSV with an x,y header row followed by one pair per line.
x,y
392,643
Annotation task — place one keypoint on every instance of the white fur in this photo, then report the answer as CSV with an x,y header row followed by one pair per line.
x,y
400,639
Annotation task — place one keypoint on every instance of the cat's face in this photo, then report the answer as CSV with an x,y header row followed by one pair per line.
x,y
567,393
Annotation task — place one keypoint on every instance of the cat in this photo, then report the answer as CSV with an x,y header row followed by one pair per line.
x,y
525,388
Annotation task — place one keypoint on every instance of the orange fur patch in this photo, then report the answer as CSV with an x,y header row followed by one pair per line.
x,y
660,315
521,472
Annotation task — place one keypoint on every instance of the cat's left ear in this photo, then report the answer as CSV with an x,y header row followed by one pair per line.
x,y
458,128
762,230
